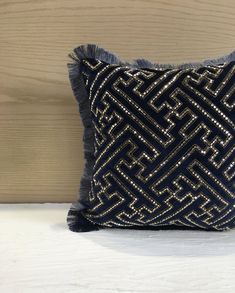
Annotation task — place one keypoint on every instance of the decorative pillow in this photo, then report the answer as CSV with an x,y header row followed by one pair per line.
x,y
159,142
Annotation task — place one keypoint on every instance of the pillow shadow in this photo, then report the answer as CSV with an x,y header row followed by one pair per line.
x,y
174,243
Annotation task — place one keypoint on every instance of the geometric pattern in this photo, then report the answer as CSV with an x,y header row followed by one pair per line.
x,y
164,145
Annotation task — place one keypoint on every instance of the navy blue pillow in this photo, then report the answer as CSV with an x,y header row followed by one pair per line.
x,y
158,143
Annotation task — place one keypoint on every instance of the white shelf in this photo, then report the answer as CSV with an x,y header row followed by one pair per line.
x,y
40,254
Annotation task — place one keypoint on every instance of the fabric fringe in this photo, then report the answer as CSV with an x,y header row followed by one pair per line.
x,y
75,219
93,51
78,223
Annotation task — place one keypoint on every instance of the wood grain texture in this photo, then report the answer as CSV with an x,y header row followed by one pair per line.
x,y
40,132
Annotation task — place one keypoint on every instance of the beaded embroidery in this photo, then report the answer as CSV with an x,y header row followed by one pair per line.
x,y
164,145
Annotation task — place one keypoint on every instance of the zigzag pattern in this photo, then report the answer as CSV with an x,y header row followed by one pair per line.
x,y
164,145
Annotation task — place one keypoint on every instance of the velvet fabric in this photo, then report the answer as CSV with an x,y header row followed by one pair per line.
x,y
158,143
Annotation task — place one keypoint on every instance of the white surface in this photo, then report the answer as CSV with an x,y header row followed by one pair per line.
x,y
39,254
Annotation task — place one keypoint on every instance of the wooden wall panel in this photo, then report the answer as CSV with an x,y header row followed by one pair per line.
x,y
41,155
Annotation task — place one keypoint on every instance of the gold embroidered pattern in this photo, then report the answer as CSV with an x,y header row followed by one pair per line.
x,y
164,145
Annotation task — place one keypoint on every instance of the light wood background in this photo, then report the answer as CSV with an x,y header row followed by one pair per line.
x,y
41,156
